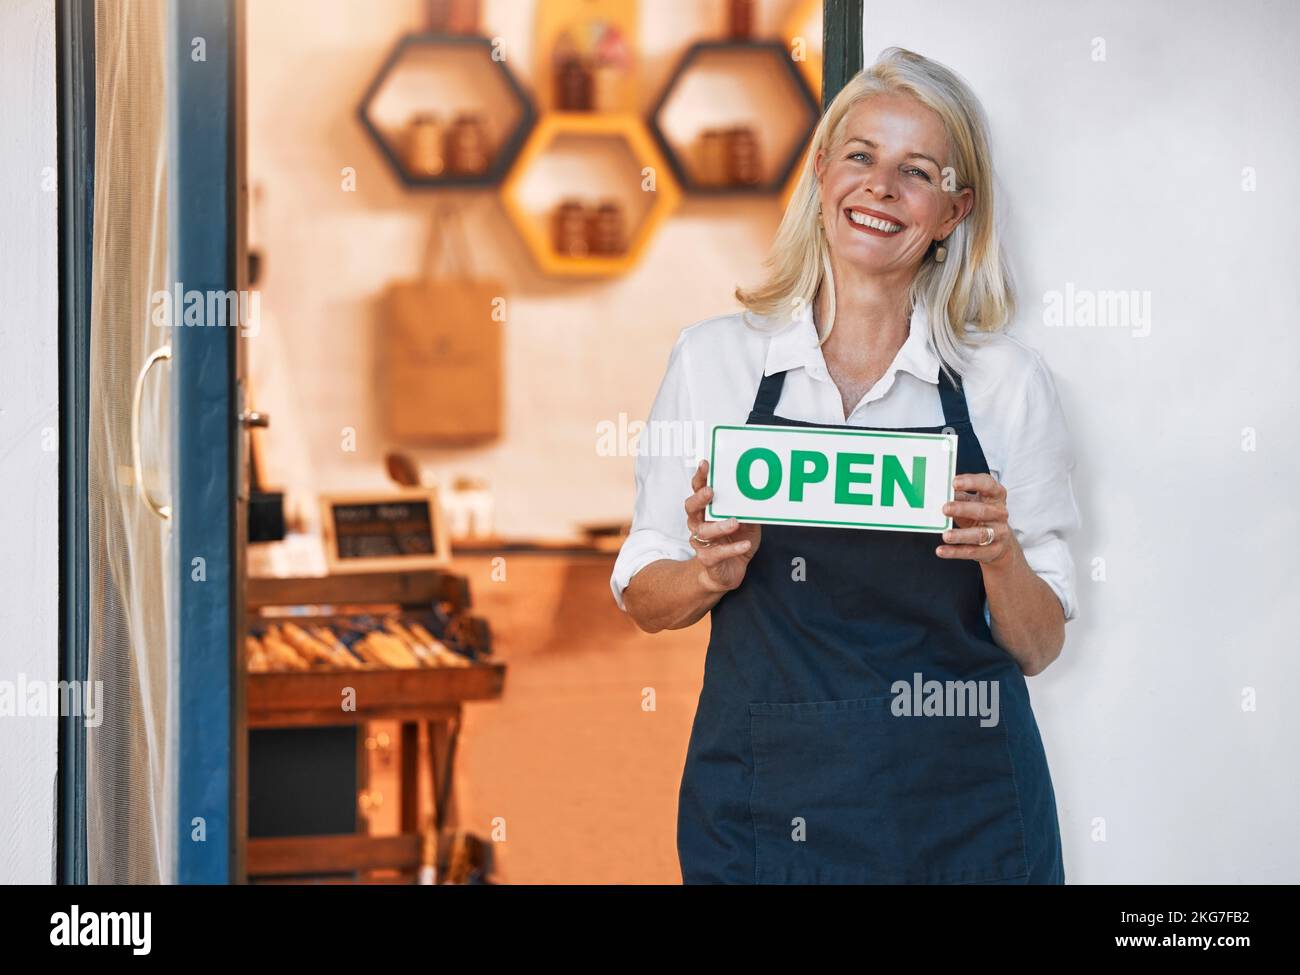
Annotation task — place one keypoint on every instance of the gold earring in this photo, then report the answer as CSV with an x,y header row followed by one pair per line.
x,y
940,253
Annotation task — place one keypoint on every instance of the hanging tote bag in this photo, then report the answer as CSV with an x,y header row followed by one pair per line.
x,y
440,352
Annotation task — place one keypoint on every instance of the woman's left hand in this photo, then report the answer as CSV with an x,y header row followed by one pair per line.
x,y
979,504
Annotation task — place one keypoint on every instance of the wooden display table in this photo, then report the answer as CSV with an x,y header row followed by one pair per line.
x,y
432,697
288,700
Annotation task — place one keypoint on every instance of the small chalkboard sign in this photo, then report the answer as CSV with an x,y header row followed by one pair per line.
x,y
382,533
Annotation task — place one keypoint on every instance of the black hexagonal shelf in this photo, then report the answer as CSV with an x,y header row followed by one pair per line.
x,y
507,147
801,97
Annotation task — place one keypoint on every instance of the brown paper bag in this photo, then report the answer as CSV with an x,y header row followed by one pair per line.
x,y
440,355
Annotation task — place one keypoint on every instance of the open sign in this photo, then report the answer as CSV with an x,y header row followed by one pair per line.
x,y
832,476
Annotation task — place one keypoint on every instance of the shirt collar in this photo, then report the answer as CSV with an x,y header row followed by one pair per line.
x,y
795,345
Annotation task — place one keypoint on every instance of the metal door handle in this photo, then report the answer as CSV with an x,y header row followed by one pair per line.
x,y
163,511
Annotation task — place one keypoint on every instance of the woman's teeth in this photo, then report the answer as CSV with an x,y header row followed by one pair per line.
x,y
874,223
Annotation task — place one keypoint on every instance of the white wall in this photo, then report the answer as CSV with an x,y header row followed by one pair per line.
x,y
29,585
1127,174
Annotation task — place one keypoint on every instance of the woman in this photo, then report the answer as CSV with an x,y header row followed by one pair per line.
x,y
883,309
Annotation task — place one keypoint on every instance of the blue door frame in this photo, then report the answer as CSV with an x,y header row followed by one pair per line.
x,y
204,244
75,44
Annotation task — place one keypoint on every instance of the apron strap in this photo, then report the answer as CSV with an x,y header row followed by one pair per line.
x,y
769,394
953,399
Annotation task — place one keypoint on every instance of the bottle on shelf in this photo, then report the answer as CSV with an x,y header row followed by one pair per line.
x,y
437,15
740,20
428,855
463,17
609,70
571,76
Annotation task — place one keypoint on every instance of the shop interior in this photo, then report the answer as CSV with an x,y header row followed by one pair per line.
x,y
474,231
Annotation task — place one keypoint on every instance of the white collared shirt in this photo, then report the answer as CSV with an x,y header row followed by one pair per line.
x,y
712,377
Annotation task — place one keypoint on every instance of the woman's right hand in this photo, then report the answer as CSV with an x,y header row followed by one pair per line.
x,y
730,544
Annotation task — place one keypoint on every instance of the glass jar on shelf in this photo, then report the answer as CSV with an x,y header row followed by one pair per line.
x,y
711,158
743,162
467,145
607,229
424,145
570,230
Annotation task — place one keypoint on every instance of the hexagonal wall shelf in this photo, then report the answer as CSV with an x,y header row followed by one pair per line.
x,y
714,85
593,157
460,72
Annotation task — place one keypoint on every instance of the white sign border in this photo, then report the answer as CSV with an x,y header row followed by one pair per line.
x,y
710,515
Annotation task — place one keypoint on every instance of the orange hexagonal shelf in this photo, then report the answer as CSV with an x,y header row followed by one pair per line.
x,y
802,31
787,191
588,192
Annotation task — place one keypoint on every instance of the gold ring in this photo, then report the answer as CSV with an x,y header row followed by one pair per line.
x,y
989,540
699,541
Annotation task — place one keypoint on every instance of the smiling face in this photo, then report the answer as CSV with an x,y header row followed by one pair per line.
x,y
883,202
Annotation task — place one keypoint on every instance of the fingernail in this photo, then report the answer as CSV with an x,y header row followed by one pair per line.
x,y
744,546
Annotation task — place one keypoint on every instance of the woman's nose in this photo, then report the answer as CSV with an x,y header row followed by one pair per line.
x,y
879,183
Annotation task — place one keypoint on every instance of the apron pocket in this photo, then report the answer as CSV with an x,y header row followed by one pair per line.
x,y
845,792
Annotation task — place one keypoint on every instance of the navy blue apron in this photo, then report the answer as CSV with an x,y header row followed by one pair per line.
x,y
798,771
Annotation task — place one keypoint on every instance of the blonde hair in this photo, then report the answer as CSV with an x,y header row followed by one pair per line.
x,y
972,287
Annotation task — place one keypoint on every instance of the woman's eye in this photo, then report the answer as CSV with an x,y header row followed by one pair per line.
x,y
858,155
919,172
